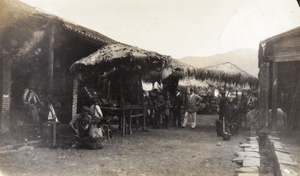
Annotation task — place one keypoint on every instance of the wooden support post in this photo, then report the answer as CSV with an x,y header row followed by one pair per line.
x,y
108,88
51,58
75,95
54,134
123,123
267,95
130,121
143,104
274,93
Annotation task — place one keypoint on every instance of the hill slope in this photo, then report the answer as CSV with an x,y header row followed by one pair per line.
x,y
246,59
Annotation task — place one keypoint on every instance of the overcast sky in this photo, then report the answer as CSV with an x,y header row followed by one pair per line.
x,y
181,28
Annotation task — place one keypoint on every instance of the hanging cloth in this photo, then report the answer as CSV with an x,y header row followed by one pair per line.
x,y
147,86
52,115
158,86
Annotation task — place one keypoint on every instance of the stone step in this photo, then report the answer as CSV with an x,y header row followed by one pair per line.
x,y
251,162
247,170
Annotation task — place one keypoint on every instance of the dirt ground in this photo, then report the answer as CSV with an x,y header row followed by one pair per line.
x,y
172,151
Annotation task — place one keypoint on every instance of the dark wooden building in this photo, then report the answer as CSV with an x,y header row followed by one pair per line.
x,y
39,48
279,76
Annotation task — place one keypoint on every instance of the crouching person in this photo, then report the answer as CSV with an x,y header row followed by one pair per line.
x,y
88,135
80,123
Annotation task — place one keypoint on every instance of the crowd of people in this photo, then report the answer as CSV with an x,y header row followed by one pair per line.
x,y
163,108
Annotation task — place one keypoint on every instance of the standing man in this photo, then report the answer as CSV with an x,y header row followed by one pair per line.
x,y
224,107
177,103
191,108
30,101
95,110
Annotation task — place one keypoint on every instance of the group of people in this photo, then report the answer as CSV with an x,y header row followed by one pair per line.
x,y
87,125
40,108
160,105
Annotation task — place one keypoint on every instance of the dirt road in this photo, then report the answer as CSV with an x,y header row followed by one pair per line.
x,y
173,151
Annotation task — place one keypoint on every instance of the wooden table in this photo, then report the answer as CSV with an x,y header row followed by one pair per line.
x,y
129,109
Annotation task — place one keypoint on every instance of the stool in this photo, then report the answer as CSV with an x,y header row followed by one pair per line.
x,y
106,127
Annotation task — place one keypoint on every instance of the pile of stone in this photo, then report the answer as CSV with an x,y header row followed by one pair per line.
x,y
249,158
284,164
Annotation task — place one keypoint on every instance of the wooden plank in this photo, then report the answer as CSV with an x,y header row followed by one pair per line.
x,y
137,115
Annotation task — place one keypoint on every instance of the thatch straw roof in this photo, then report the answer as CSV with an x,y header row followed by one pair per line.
x,y
179,69
183,70
123,59
193,82
118,52
227,72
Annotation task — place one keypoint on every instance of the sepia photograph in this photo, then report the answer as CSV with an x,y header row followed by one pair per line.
x,y
149,87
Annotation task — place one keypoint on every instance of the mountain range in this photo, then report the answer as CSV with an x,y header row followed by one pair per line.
x,y
246,59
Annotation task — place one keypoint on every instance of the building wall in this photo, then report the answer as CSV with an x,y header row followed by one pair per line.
x,y
279,58
264,90
5,94
39,47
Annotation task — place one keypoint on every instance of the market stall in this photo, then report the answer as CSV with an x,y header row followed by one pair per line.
x,y
118,70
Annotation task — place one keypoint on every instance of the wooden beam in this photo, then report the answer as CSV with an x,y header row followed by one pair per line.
x,y
288,57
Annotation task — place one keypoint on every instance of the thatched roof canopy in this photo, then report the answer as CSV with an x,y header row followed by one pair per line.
x,y
175,68
227,72
183,70
121,59
193,83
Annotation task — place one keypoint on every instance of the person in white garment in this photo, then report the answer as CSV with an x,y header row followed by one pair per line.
x,y
191,108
